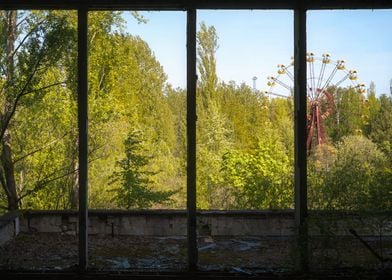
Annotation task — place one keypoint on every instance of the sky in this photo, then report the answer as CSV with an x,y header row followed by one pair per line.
x,y
253,43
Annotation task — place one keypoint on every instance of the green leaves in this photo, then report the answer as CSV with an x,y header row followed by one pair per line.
x,y
260,179
207,44
353,179
245,141
134,178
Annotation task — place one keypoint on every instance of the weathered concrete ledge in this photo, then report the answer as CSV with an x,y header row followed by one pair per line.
x,y
214,223
162,222
9,226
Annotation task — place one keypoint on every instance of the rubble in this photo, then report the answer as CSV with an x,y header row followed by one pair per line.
x,y
243,255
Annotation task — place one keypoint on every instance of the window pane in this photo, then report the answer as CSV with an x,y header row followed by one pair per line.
x,y
137,145
349,158
39,139
244,140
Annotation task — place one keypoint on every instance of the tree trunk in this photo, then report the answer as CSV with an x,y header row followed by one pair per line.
x,y
8,181
8,168
75,186
74,197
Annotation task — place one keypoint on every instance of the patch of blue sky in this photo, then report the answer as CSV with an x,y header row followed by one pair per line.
x,y
252,43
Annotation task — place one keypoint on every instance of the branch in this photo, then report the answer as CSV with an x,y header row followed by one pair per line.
x,y
41,184
26,36
35,70
41,175
39,149
96,148
21,43
20,22
43,88
96,158
101,79
92,38
8,118
2,69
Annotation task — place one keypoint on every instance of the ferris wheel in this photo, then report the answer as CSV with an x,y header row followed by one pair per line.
x,y
325,76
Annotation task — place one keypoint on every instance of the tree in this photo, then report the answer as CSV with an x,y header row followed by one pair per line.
x,y
351,179
348,116
213,128
128,90
372,108
380,125
281,118
213,142
176,99
43,124
262,178
31,45
134,190
246,113
207,44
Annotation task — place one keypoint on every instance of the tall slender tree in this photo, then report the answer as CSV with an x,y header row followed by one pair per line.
x,y
207,45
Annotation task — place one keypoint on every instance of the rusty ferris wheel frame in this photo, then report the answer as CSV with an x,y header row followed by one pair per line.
x,y
325,76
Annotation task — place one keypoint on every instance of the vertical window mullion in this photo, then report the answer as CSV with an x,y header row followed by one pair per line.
x,y
191,139
83,140
300,120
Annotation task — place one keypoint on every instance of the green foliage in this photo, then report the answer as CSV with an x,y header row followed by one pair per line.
x,y
134,179
207,44
127,90
260,179
348,116
372,108
381,126
355,178
281,117
43,106
246,113
213,142
245,140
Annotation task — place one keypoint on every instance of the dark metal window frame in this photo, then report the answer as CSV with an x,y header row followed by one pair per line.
x,y
191,6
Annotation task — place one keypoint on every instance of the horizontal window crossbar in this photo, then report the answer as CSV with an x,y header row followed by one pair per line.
x,y
195,4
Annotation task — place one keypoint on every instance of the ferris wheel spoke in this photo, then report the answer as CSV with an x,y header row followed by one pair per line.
x,y
319,88
282,84
342,79
321,75
328,81
289,74
311,72
313,79
276,94
309,90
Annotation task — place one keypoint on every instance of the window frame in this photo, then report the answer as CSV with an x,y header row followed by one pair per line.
x,y
299,7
